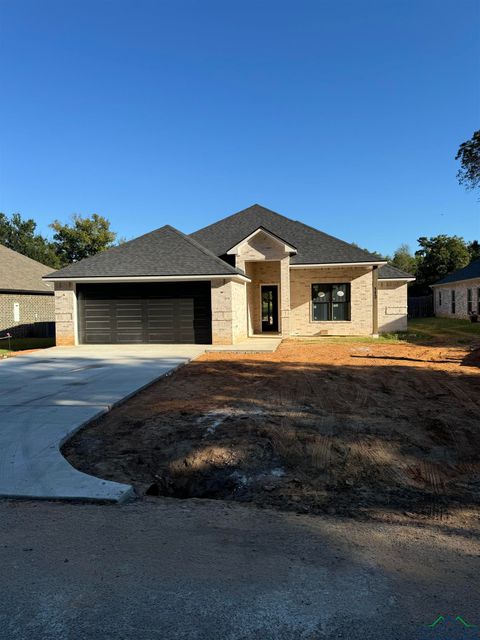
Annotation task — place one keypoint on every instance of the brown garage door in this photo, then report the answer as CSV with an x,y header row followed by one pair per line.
x,y
145,313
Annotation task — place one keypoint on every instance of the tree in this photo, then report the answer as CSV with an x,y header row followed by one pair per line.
x,y
439,256
404,259
469,155
376,254
474,250
20,235
83,238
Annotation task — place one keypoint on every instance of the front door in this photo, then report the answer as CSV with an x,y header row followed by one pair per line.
x,y
269,307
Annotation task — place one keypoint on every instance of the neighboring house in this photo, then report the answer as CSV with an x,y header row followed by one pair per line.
x,y
254,272
27,305
458,294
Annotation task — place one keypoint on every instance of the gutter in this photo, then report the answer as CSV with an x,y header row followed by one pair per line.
x,y
92,279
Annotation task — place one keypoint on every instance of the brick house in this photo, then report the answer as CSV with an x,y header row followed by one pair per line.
x,y
458,294
27,305
253,273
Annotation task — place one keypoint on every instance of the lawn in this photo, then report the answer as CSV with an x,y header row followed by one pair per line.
x,y
443,330
23,344
373,430
420,330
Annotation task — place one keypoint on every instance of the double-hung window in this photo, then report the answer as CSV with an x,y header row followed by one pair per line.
x,y
478,301
330,302
453,301
440,298
469,300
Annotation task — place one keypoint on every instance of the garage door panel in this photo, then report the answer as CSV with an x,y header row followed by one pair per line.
x,y
147,313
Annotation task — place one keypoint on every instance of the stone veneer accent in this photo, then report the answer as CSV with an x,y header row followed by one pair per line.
x,y
33,308
65,314
461,311
265,261
229,311
392,306
361,296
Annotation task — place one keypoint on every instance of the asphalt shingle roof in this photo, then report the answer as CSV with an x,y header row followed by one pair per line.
x,y
19,273
472,270
163,252
313,246
389,272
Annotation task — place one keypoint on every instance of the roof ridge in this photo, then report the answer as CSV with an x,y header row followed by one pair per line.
x,y
204,250
232,215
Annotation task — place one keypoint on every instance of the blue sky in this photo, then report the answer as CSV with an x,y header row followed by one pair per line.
x,y
344,114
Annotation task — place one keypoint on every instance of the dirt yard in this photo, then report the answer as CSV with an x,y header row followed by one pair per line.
x,y
372,430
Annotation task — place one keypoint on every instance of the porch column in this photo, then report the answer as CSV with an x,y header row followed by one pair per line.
x,y
375,300
285,296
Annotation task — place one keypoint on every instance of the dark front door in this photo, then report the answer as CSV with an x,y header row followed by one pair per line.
x,y
269,307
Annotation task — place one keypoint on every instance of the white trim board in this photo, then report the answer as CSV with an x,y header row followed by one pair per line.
x,y
120,279
337,264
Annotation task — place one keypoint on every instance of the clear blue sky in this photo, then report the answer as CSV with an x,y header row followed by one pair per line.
x,y
344,114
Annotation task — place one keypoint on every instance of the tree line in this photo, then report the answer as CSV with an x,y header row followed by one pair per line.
x,y
81,238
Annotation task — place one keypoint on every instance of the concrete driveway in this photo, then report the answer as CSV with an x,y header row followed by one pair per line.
x,y
48,395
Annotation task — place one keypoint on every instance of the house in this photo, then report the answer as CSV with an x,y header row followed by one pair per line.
x,y
458,294
27,305
254,272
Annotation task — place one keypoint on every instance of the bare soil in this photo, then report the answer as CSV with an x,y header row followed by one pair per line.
x,y
363,430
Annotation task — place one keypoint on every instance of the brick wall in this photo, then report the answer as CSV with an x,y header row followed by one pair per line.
x,y
461,310
392,307
65,313
261,247
229,311
32,309
360,279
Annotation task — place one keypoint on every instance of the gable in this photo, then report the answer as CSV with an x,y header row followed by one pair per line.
x,y
261,245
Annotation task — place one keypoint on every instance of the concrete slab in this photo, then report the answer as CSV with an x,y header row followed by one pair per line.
x,y
46,396
250,345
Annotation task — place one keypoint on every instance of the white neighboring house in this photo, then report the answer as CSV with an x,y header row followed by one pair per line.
x,y
458,294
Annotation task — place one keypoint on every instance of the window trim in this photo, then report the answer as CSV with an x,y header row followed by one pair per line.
x,y
331,284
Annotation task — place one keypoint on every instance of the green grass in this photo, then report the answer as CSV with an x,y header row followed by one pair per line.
x,y
443,330
20,344
420,330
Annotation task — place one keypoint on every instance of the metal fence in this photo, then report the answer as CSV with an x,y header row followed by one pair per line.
x,y
31,330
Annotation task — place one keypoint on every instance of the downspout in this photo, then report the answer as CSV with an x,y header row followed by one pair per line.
x,y
375,301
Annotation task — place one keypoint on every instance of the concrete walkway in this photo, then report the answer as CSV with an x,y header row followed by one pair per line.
x,y
46,396
255,344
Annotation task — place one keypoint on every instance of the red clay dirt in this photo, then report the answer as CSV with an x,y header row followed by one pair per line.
x,y
355,429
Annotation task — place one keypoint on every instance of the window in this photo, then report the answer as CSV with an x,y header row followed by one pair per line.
x,y
453,300
469,301
330,302
439,298
478,301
